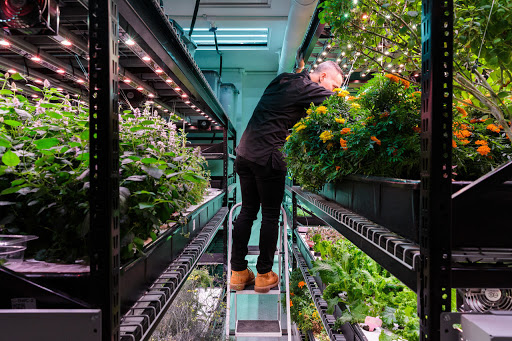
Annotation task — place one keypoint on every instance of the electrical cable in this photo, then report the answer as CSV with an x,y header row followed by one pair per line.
x,y
194,17
483,36
214,30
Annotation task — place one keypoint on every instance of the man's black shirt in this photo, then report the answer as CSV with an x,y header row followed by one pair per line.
x,y
283,104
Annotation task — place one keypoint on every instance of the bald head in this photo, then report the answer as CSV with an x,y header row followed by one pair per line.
x,y
328,74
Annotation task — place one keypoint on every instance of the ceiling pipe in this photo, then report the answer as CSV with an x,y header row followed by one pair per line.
x,y
299,17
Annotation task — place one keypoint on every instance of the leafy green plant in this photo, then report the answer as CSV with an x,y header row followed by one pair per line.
x,y
379,135
44,172
302,309
365,288
384,36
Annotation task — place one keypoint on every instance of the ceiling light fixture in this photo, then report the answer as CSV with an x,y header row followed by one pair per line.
x,y
80,81
66,42
159,70
130,42
11,71
146,58
35,59
127,80
4,42
60,71
168,80
140,88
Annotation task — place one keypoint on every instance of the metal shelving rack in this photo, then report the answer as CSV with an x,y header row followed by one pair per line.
x,y
134,54
433,266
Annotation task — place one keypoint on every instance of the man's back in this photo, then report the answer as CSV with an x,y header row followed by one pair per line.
x,y
283,103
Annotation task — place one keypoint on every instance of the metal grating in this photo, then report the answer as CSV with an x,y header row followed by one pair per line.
x,y
146,313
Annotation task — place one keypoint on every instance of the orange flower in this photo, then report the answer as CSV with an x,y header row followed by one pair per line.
x,y
494,128
345,131
301,284
454,144
462,111
291,303
464,142
416,93
350,98
373,138
338,168
292,294
392,78
405,83
417,129
343,143
481,142
462,133
467,101
384,114
483,150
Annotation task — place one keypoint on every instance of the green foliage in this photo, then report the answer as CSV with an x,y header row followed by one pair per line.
x,y
365,288
44,173
380,35
380,137
302,310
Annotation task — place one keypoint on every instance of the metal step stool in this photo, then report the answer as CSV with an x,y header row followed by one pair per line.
x,y
261,328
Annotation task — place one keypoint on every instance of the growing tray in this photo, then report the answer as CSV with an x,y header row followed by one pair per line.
x,y
349,331
135,275
477,219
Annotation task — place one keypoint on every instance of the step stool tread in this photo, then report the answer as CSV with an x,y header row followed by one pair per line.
x,y
261,328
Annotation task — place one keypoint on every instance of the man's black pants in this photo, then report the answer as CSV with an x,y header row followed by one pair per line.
x,y
260,185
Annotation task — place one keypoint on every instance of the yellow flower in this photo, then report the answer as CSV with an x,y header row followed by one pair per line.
x,y
288,137
321,109
340,120
343,93
355,105
326,136
300,127
337,90
309,111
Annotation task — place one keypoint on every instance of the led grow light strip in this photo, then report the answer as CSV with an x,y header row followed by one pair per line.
x,y
139,52
31,52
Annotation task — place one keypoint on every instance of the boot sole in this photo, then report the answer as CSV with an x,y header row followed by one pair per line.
x,y
266,288
240,286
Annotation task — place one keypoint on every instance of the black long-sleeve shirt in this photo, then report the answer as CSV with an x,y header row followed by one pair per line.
x,y
283,104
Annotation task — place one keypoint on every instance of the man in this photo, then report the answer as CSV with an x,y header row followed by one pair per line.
x,y
262,169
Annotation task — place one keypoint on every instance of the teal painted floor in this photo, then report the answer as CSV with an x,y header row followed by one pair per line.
x,y
258,307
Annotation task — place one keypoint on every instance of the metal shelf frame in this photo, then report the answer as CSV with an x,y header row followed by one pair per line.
x,y
432,267
97,29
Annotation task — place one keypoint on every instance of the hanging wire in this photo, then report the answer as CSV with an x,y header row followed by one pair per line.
x,y
483,37
81,66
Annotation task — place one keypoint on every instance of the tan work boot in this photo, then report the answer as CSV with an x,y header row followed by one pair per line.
x,y
239,279
265,282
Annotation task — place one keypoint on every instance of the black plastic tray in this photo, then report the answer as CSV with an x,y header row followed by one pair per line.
x,y
479,219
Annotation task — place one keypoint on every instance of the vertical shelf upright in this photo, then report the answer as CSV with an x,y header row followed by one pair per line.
x,y
104,163
434,277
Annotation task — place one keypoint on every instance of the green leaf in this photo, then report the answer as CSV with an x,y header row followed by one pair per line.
x,y
153,235
48,105
22,98
148,160
13,123
54,114
4,143
11,190
33,87
6,92
17,182
144,205
193,177
46,143
17,77
74,144
126,111
147,122
503,94
84,136
83,157
10,159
